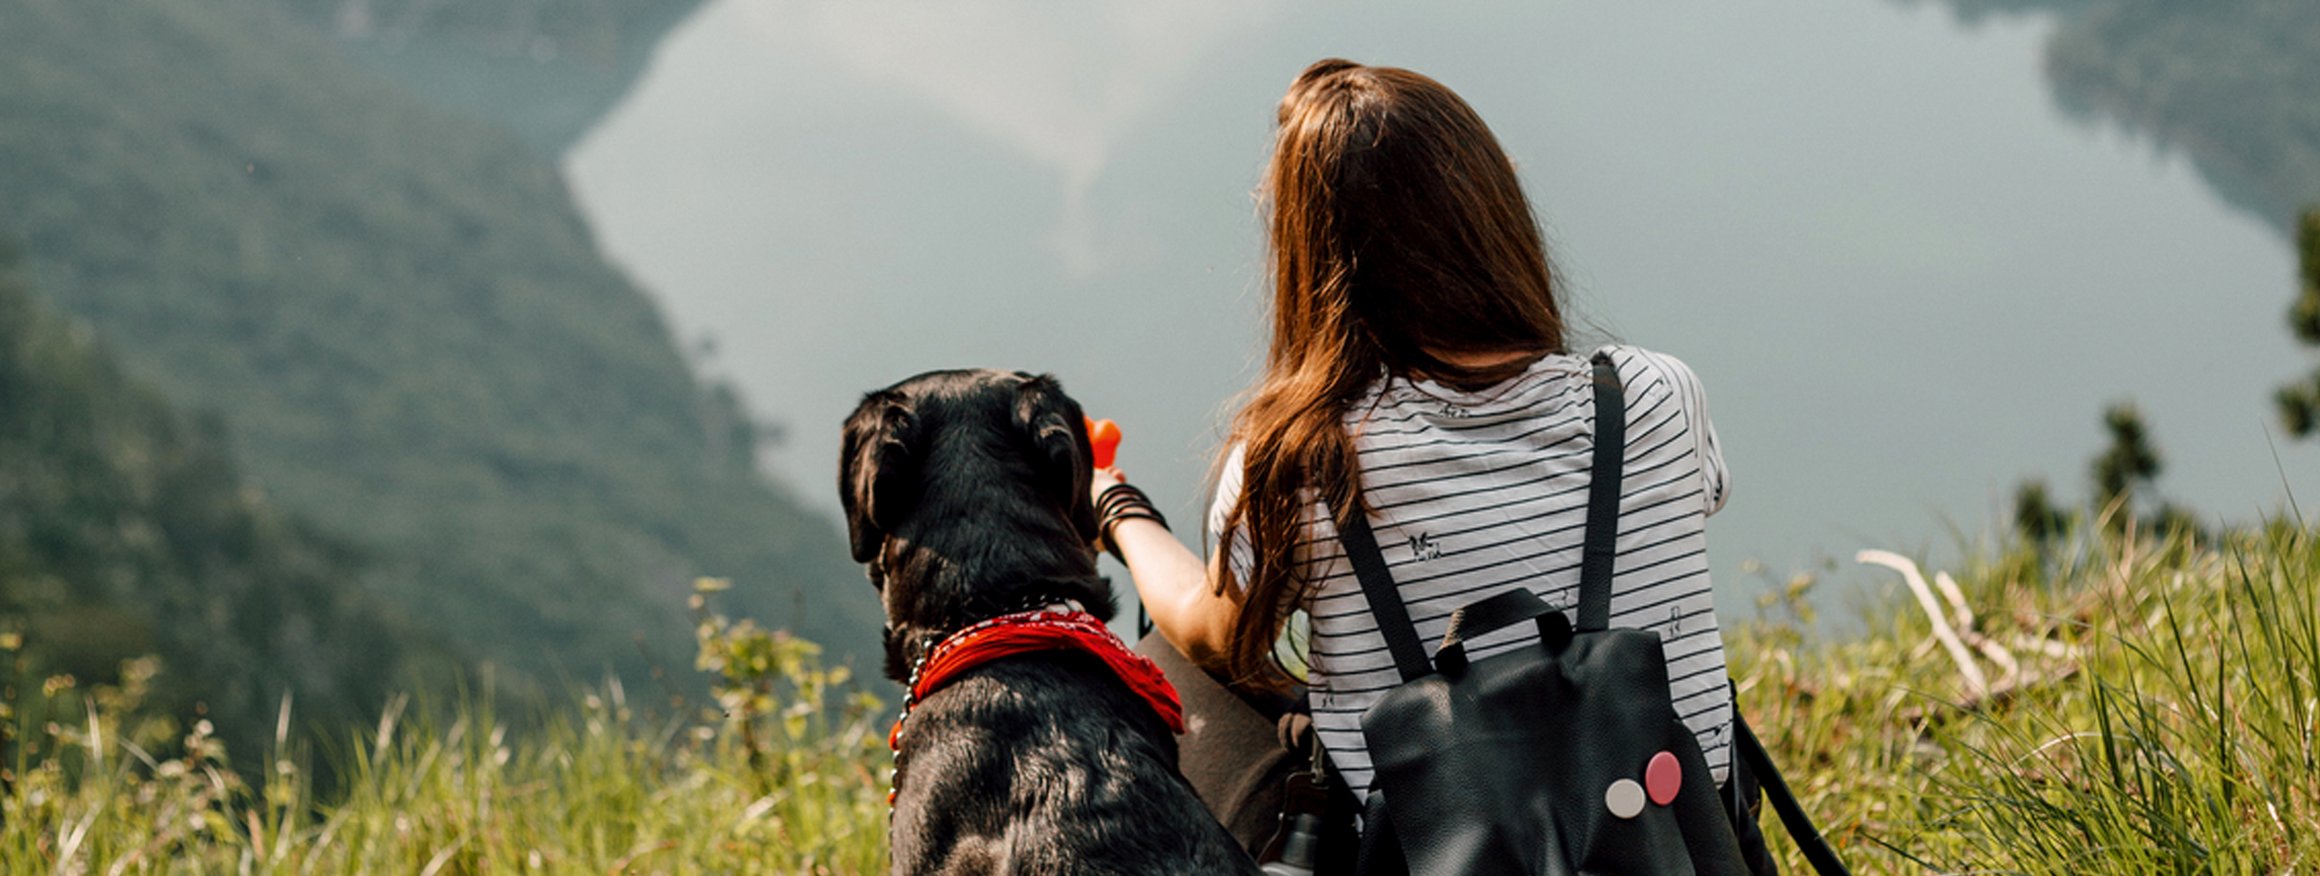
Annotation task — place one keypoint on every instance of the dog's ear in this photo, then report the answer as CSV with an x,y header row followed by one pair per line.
x,y
1057,430
877,475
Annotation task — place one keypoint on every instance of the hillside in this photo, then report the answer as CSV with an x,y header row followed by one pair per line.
x,y
408,329
126,531
2229,84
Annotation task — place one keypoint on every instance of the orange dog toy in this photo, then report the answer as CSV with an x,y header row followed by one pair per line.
x,y
1104,439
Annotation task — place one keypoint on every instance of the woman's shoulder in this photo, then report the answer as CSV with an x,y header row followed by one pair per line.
x,y
1650,373
1652,378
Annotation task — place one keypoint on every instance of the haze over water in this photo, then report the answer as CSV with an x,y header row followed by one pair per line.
x,y
1905,280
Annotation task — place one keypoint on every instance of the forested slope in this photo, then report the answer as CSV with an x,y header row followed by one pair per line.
x,y
126,531
407,327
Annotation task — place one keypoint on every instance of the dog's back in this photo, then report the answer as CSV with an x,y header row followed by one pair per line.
x,y
1047,765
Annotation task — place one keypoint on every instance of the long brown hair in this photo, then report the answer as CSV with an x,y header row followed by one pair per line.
x,y
1397,236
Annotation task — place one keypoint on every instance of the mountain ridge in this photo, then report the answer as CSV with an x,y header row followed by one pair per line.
x,y
546,72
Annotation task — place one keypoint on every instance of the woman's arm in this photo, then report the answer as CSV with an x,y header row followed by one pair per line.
x,y
1178,590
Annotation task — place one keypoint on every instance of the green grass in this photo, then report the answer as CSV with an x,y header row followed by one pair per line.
x,y
2170,730
785,774
2160,718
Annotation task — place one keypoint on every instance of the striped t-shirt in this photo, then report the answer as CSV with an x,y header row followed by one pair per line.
x,y
1472,493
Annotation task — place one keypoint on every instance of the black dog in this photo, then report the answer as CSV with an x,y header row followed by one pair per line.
x,y
966,493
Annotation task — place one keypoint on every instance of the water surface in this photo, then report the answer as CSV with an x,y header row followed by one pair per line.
x,y
1906,281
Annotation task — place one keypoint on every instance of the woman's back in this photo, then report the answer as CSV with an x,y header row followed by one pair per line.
x,y
1473,493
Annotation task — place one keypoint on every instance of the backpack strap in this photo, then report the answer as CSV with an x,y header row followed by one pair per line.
x,y
1385,602
1603,499
1792,816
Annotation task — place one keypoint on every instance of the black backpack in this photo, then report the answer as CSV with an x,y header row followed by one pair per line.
x,y
1566,757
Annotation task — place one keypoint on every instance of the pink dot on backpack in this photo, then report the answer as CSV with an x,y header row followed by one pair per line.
x,y
1663,778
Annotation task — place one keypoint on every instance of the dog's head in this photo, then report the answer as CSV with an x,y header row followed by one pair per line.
x,y
964,490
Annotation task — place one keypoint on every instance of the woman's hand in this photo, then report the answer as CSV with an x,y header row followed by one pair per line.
x,y
1103,480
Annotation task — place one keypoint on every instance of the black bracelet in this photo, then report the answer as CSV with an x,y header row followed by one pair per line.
x,y
1123,501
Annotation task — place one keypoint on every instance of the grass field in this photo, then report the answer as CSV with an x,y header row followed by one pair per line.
x,y
2158,715
2136,704
784,773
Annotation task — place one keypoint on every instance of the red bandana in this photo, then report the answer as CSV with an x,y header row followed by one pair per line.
x,y
1040,630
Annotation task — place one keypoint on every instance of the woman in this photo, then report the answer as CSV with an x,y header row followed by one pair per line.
x,y
1418,372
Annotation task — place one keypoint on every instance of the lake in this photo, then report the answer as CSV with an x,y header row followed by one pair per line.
x,y
1906,281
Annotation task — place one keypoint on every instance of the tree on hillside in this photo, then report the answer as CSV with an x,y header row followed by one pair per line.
x,y
2299,401
2129,461
2124,472
2035,514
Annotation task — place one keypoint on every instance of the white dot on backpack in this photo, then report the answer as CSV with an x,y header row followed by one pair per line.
x,y
1624,798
